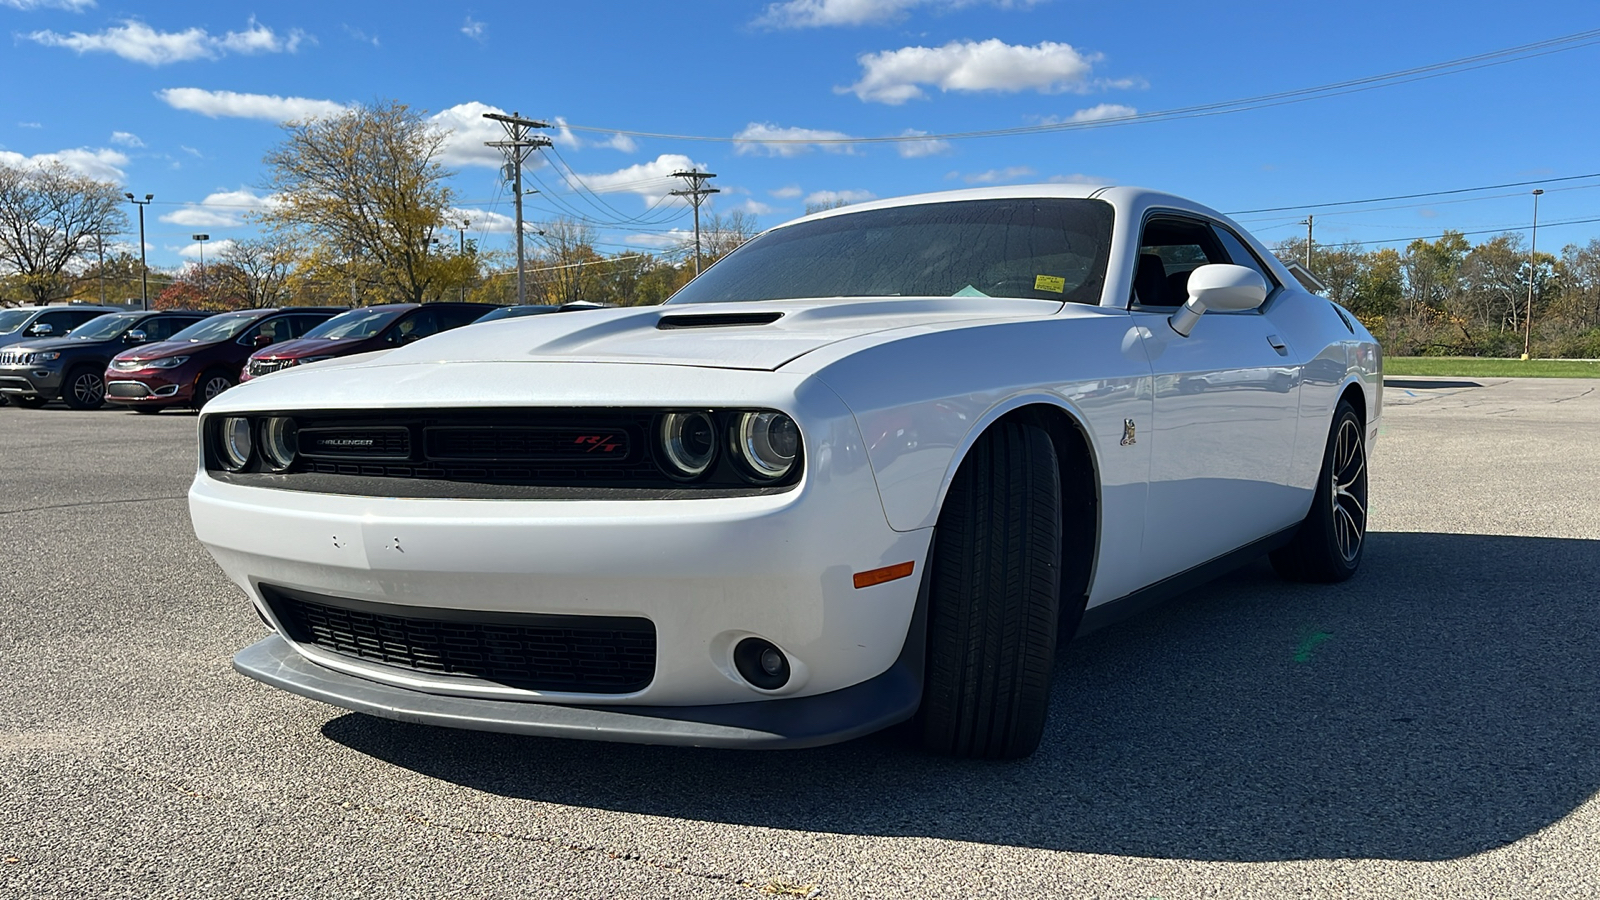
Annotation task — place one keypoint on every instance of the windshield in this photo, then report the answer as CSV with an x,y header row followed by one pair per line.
x,y
104,328
355,324
216,328
1052,249
12,319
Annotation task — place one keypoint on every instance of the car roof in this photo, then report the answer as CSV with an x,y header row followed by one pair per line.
x,y
1125,198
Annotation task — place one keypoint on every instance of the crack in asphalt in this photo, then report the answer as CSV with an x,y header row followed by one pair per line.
x,y
13,512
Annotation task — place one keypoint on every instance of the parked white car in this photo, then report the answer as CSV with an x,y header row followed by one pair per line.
x,y
868,467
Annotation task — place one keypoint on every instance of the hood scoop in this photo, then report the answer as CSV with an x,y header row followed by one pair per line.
x,y
717,320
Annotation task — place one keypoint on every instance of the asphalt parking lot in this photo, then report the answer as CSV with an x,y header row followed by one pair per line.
x,y
1429,729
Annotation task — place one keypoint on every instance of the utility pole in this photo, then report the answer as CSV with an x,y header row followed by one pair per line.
x,y
1308,223
516,147
100,251
201,240
144,270
1533,245
461,233
696,194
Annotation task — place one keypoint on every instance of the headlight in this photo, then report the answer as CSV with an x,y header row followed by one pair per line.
x,y
236,443
279,442
689,442
169,362
45,356
767,443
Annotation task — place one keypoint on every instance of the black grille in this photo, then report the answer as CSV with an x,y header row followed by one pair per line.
x,y
126,389
577,654
259,367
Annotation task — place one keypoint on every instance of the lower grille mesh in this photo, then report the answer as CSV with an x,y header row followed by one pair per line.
x,y
598,655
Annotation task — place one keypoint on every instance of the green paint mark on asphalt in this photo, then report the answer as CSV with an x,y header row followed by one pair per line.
x,y
1303,654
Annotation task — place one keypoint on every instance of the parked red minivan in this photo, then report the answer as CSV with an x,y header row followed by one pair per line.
x,y
364,330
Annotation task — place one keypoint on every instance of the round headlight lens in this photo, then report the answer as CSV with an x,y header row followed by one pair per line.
x,y
689,442
767,443
279,442
236,443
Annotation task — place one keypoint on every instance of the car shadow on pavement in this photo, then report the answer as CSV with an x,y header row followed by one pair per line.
x,y
1444,702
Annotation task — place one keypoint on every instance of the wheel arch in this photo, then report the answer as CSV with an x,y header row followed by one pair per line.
x,y
1079,469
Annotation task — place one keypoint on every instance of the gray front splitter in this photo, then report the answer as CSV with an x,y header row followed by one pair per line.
x,y
795,722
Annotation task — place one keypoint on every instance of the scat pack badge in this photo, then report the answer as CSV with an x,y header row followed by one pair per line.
x,y
1127,433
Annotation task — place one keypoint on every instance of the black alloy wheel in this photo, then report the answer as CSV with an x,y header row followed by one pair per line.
x,y
84,388
1328,545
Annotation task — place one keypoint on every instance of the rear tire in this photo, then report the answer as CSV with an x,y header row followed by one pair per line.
x,y
209,386
83,388
994,585
1327,547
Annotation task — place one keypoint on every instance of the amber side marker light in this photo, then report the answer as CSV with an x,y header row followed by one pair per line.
x,y
879,576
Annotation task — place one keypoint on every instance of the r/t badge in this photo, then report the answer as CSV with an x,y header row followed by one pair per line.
x,y
1127,433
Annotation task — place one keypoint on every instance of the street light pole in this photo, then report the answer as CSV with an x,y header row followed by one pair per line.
x,y
461,249
144,270
201,239
1533,245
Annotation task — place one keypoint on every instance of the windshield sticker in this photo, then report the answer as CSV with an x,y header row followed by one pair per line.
x,y
1052,283
969,291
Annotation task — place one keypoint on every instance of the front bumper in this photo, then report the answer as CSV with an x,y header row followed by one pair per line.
x,y
147,387
791,723
32,381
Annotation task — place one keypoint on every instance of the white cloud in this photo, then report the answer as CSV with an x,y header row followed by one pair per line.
x,y
1097,113
31,5
671,240
222,209
995,176
484,221
138,42
1076,179
229,104
212,249
830,198
30,124
755,207
759,137
820,13
101,163
787,193
564,137
895,76
126,139
915,149
474,29
468,131
357,34
652,181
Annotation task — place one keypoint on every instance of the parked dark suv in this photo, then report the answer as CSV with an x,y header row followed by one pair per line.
x,y
72,368
27,323
203,360
363,330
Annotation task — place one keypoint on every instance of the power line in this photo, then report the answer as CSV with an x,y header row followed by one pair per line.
x,y
1404,76
1434,237
517,145
1486,187
696,192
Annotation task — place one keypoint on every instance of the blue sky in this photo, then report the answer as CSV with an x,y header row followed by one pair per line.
x,y
182,100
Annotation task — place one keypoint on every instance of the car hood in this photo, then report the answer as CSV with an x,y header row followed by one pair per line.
x,y
299,348
31,345
162,349
763,335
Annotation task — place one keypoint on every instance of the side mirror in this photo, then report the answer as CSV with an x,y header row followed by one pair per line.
x,y
1222,287
262,340
135,336
42,329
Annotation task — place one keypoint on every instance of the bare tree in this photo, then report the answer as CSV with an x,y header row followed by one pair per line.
x,y
50,221
566,266
257,270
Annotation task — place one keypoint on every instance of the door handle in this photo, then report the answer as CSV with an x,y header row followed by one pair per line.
x,y
1278,344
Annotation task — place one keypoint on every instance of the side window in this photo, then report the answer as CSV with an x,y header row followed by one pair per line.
x,y
60,322
268,332
414,327
459,316
1170,249
299,325
159,328
1240,255
84,315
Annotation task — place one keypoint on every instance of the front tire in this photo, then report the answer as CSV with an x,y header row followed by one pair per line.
x,y
83,388
210,385
994,585
1327,547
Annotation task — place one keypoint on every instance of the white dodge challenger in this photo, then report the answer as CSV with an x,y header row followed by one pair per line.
x,y
872,467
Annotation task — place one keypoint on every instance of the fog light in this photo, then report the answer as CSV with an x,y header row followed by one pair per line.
x,y
761,664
